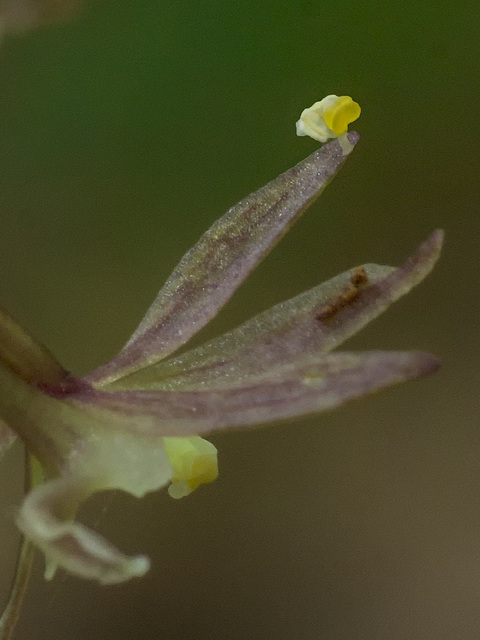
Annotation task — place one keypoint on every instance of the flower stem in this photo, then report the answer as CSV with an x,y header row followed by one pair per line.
x,y
23,568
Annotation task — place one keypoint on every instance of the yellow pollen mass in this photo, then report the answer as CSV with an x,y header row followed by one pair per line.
x,y
193,461
329,118
338,116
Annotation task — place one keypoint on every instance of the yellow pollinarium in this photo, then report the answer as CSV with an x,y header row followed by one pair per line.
x,y
193,461
329,118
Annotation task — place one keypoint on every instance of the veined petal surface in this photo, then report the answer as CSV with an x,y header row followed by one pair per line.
x,y
316,321
314,385
208,274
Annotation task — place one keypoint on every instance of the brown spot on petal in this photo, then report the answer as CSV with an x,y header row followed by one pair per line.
x,y
358,280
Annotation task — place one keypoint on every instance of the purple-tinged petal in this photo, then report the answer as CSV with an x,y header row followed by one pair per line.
x,y
70,441
316,321
28,360
46,518
301,389
46,427
26,357
208,274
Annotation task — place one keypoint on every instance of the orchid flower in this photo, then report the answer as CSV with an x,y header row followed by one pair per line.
x,y
136,422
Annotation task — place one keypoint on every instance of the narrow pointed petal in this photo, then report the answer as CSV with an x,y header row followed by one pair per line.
x,y
301,389
209,273
316,321
46,518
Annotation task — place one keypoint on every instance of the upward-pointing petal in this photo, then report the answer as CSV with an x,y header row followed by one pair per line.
x,y
208,274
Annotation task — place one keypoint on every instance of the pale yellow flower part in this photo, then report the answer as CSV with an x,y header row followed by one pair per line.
x,y
329,118
194,462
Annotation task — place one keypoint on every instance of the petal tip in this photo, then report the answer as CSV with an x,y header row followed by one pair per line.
x,y
428,363
46,519
134,567
438,237
353,137
430,250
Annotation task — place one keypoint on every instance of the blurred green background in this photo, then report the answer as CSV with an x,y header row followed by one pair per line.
x,y
124,135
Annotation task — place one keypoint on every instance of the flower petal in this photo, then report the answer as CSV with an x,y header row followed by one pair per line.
x,y
73,442
84,452
316,321
46,519
313,385
87,451
26,357
209,273
28,360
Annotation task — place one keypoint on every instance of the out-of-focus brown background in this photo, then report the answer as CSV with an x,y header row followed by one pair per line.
x,y
123,135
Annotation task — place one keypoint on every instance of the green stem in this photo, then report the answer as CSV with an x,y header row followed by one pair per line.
x,y
23,567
